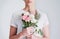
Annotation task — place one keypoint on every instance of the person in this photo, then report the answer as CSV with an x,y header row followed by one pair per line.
x,y
16,29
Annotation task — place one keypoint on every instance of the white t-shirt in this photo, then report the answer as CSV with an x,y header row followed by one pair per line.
x,y
17,22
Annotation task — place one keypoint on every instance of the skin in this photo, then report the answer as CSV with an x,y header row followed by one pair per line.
x,y
30,7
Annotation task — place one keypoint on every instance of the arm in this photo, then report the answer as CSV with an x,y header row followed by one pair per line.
x,y
13,34
20,35
46,32
46,28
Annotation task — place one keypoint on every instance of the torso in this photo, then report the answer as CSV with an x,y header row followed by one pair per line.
x,y
20,24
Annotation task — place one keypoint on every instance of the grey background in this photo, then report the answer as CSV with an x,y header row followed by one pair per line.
x,y
51,7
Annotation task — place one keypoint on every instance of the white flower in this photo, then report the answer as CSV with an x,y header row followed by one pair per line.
x,y
33,20
36,33
37,28
32,16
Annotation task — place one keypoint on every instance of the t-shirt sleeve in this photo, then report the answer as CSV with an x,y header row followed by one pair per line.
x,y
13,21
46,20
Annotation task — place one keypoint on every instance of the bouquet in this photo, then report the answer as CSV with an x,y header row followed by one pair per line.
x,y
31,20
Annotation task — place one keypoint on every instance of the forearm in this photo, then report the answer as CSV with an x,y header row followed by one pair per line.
x,y
13,37
16,36
46,37
42,37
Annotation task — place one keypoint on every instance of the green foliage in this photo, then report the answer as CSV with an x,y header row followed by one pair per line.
x,y
28,24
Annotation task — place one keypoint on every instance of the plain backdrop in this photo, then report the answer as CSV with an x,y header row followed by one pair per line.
x,y
51,7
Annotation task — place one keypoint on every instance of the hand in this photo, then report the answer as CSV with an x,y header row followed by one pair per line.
x,y
28,31
35,37
24,32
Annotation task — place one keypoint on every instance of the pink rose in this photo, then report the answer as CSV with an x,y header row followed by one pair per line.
x,y
26,18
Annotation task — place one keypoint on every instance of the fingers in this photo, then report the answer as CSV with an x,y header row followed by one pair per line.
x,y
24,31
30,30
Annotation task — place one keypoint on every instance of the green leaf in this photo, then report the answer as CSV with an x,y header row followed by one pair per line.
x,y
41,32
37,15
